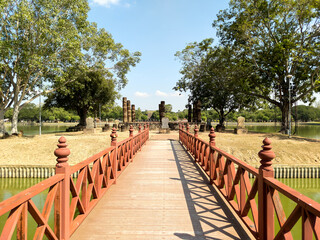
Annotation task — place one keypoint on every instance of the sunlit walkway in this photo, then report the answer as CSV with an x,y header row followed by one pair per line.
x,y
161,195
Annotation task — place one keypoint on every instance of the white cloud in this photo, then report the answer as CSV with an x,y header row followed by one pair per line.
x,y
141,94
161,94
176,94
106,3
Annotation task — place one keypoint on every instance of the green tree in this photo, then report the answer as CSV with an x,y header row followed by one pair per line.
x,y
281,40
168,108
85,94
212,75
183,114
114,112
38,39
29,113
155,116
138,114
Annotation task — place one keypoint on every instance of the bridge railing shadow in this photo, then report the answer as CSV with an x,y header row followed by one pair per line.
x,y
208,212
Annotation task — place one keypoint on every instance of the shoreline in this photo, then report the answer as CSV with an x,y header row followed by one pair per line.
x,y
37,151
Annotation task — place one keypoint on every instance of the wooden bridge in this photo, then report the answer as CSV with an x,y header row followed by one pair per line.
x,y
177,188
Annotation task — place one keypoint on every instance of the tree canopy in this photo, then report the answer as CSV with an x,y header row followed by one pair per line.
x,y
281,40
213,75
38,39
87,93
46,44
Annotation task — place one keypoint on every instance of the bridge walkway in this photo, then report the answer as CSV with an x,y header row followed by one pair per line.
x,y
161,195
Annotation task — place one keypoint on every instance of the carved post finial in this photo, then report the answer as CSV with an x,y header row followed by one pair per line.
x,y
212,137
266,155
144,126
182,126
62,153
114,136
139,127
148,125
188,127
131,131
196,130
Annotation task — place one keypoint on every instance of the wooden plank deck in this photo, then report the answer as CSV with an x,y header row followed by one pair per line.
x,y
161,195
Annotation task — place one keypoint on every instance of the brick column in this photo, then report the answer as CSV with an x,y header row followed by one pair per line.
x,y
133,113
129,111
124,108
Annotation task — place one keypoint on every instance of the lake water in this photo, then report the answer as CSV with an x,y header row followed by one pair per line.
x,y
307,131
29,130
12,186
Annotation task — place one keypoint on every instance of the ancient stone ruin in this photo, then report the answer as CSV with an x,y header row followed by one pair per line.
x,y
241,126
162,110
125,111
133,113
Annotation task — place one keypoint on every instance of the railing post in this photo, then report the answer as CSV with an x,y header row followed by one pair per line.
x,y
131,142
62,218
212,137
212,143
196,130
144,132
265,206
114,136
140,136
131,131
188,138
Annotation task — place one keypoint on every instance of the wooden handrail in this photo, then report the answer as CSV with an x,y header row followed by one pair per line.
x,y
95,175
230,175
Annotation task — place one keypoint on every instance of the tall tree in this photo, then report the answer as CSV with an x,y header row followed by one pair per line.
x,y
85,94
38,40
281,40
212,75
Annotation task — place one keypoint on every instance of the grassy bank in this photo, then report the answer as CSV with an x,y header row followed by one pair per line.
x,y
295,151
38,150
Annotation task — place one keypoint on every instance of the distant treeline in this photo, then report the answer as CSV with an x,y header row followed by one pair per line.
x,y
31,113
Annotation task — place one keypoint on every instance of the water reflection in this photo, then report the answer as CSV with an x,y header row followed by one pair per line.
x,y
34,130
308,131
12,186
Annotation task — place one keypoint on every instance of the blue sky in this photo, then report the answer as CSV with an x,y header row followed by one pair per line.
x,y
156,28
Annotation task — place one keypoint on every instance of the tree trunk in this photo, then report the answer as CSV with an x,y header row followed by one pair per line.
x,y
2,127
284,119
83,116
222,120
220,127
14,126
222,117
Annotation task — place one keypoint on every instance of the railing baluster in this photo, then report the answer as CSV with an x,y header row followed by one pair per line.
x,y
242,190
22,226
114,136
306,226
62,167
265,206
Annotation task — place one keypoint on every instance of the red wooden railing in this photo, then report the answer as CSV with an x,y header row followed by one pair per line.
x,y
71,199
231,176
